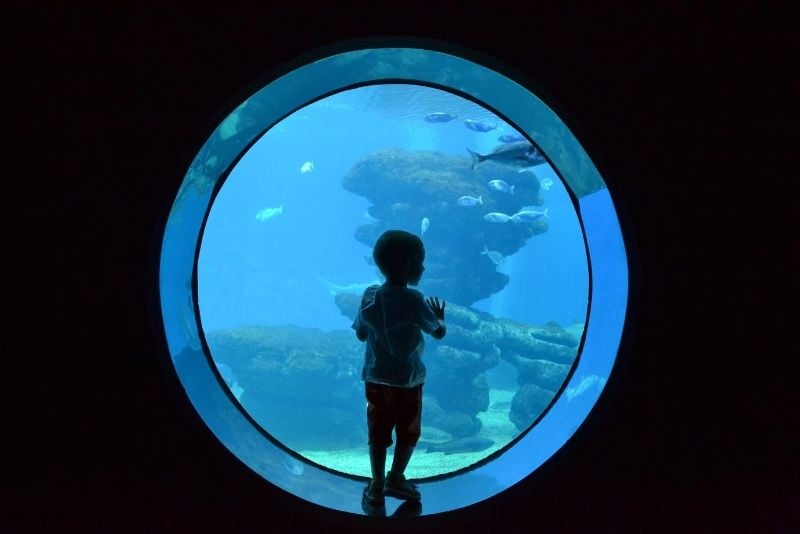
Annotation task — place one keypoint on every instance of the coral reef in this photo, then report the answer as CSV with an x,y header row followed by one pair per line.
x,y
475,342
405,187
301,385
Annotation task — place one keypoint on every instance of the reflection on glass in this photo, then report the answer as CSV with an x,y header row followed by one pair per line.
x,y
286,254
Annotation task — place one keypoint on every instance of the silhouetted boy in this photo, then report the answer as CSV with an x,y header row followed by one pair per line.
x,y
391,320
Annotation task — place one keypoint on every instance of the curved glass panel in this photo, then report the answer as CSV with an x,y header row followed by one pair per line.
x,y
287,252
218,383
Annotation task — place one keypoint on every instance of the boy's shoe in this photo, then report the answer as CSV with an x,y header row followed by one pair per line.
x,y
398,487
372,495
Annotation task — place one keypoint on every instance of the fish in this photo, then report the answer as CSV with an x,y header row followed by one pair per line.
x,y
269,213
546,184
356,288
517,156
511,138
528,215
308,166
500,185
496,217
470,201
424,226
440,117
478,126
495,256
469,444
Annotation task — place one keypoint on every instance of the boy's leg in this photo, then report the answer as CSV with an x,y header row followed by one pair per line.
x,y
408,410
377,461
379,425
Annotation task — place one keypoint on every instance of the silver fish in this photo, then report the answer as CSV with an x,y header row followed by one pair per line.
x,y
511,138
547,183
268,213
476,126
500,185
528,215
424,226
495,256
440,116
496,217
470,201
518,156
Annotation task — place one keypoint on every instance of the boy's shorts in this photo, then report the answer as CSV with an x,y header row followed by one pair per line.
x,y
391,407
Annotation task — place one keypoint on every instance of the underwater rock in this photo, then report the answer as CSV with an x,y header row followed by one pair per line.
x,y
554,333
545,374
480,332
457,424
405,187
276,366
523,340
475,342
528,402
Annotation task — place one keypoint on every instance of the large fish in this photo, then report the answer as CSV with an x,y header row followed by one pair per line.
x,y
476,126
440,116
517,156
511,138
454,446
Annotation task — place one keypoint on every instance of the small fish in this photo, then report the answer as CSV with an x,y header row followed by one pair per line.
x,y
500,185
511,138
546,184
308,166
268,213
336,289
495,256
470,201
440,117
496,217
476,126
528,215
518,156
424,226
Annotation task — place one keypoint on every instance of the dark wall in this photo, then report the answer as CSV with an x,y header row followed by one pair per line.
x,y
684,112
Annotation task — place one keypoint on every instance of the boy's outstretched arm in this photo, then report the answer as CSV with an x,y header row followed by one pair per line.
x,y
438,311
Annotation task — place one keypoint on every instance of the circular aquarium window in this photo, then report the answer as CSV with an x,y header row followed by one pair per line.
x,y
268,249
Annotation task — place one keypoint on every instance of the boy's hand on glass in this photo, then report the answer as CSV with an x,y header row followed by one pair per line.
x,y
438,308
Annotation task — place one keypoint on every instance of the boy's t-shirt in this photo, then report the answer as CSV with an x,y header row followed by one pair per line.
x,y
393,318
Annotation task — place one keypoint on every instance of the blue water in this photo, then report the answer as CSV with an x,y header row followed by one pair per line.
x,y
280,243
273,271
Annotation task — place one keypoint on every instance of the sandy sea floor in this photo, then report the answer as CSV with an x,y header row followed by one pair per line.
x,y
496,426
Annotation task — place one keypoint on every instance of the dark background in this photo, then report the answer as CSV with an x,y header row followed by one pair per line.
x,y
686,115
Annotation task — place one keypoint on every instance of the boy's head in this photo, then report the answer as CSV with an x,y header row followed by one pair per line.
x,y
399,256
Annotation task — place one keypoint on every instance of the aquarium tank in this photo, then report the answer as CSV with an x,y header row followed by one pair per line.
x,y
276,221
